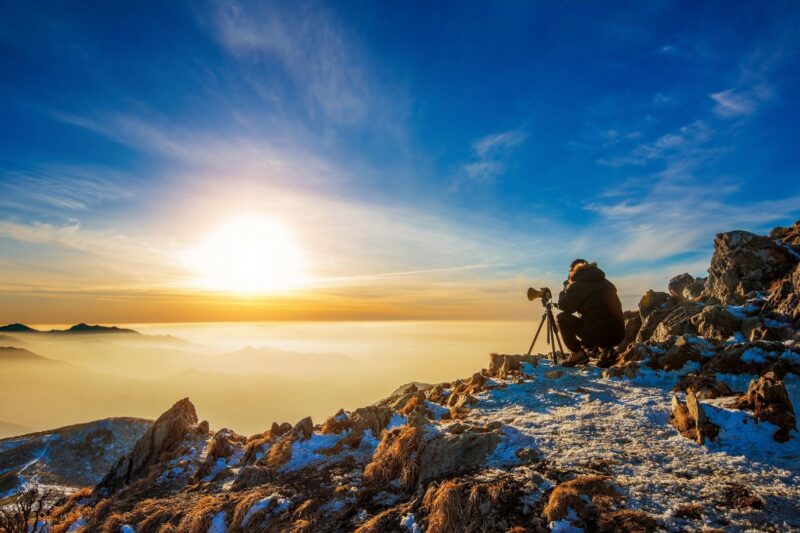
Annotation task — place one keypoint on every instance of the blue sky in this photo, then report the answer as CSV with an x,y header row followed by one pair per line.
x,y
453,151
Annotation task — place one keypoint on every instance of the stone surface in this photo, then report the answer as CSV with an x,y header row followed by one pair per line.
x,y
633,323
677,322
768,399
166,433
716,323
744,262
449,454
678,284
653,300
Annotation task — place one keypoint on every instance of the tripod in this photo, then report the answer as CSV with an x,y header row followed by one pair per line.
x,y
552,331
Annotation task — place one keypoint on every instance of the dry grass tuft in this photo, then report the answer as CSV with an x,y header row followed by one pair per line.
x,y
384,521
59,513
279,453
197,518
447,508
627,520
570,494
397,457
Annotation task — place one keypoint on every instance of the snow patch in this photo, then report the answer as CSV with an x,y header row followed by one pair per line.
x,y
281,504
218,523
409,522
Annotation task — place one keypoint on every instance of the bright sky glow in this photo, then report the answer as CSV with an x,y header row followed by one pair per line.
x,y
247,255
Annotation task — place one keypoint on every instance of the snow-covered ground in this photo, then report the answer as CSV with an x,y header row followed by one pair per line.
x,y
578,418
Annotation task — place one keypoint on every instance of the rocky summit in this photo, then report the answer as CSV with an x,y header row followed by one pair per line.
x,y
693,426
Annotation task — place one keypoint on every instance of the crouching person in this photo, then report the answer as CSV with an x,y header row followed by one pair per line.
x,y
600,324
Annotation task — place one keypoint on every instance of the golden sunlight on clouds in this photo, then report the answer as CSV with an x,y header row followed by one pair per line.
x,y
247,255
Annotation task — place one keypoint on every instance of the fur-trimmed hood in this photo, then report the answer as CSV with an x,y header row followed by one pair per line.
x,y
587,272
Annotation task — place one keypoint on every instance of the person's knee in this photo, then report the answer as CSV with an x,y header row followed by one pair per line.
x,y
564,318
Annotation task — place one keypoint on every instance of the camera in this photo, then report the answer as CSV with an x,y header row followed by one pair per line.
x,y
543,293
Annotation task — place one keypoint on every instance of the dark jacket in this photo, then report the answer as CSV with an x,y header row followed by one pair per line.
x,y
595,298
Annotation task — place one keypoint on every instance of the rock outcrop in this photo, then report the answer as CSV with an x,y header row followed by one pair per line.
x,y
690,419
161,438
744,263
769,401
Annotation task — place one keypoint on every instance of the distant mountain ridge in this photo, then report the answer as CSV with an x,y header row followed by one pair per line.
x,y
76,329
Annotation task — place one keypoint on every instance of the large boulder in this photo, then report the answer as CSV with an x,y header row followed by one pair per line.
x,y
677,322
652,300
744,262
716,323
686,287
163,437
768,399
449,454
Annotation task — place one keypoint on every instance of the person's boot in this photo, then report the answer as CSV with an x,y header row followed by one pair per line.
x,y
576,358
607,358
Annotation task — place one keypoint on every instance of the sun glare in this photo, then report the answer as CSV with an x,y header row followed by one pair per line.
x,y
248,255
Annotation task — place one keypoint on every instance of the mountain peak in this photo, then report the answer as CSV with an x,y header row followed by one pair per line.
x,y
18,328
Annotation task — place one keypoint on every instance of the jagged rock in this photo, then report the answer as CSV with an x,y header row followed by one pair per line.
x,y
449,454
677,322
220,447
166,433
503,366
784,297
678,284
649,325
716,323
277,430
768,399
633,323
304,428
743,263
681,352
690,419
653,300
790,235
705,387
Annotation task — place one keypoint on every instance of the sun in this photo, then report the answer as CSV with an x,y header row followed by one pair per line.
x,y
249,255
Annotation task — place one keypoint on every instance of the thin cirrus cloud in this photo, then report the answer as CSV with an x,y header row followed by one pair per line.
x,y
733,103
491,153
323,63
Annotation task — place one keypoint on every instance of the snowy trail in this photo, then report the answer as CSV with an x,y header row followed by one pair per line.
x,y
624,425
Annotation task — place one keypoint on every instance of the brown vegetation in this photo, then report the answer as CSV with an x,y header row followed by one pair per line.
x,y
397,457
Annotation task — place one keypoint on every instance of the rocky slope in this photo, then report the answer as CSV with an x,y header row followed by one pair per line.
x,y
67,458
692,427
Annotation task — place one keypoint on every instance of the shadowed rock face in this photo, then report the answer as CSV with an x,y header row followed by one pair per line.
x,y
768,399
744,262
162,437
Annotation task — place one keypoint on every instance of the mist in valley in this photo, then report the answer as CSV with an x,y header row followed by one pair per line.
x,y
242,376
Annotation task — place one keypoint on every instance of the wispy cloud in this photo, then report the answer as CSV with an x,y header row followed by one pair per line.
x,y
66,187
733,103
490,154
678,206
327,67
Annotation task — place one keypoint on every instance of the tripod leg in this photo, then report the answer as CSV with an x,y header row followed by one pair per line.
x,y
556,333
538,330
551,325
